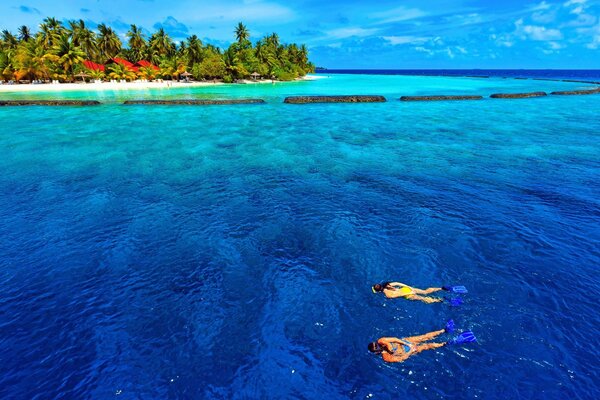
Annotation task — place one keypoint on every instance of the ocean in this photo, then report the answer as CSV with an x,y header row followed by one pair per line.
x,y
582,74
228,252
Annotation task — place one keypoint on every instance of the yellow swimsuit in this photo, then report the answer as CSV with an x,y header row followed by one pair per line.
x,y
405,291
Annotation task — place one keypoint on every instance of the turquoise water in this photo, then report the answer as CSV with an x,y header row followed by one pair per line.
x,y
228,251
390,86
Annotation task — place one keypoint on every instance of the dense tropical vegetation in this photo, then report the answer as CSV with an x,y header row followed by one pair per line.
x,y
57,51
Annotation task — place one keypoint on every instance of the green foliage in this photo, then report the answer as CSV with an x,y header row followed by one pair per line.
x,y
211,67
118,71
137,44
57,51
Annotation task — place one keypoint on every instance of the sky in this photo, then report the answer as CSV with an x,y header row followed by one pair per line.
x,y
381,34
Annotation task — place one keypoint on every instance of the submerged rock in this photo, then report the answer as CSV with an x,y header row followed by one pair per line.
x,y
576,81
576,92
334,99
439,98
518,95
192,102
49,102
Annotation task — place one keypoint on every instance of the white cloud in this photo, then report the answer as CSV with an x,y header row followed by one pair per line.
x,y
398,15
399,40
542,33
578,6
422,49
544,17
581,20
534,32
343,33
555,45
247,11
465,19
592,34
542,6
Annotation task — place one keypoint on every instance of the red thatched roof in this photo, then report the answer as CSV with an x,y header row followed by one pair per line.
x,y
123,62
144,63
92,66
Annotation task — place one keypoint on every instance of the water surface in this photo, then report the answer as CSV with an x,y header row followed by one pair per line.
x,y
228,251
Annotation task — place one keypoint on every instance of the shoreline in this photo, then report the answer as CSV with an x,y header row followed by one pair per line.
x,y
135,85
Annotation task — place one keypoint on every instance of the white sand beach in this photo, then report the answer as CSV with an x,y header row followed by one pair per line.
x,y
135,85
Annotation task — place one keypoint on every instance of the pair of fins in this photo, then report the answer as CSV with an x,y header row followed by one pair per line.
x,y
457,301
463,338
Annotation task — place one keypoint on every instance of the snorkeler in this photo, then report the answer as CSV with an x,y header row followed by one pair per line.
x,y
393,290
393,349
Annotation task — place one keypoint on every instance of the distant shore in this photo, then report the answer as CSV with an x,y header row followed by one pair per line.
x,y
135,85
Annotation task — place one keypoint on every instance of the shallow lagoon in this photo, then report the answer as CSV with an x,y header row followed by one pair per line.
x,y
228,251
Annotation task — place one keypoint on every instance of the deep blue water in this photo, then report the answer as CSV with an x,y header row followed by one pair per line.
x,y
228,252
582,74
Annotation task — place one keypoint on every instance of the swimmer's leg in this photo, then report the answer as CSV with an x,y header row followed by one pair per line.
x,y
425,337
428,346
424,299
426,291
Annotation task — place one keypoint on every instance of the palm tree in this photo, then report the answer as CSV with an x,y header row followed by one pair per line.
x,y
96,74
148,73
273,39
118,71
57,52
66,54
233,65
6,67
9,41
24,33
84,38
31,60
171,67
293,53
194,50
241,33
53,23
109,43
137,43
50,28
266,56
161,43
303,54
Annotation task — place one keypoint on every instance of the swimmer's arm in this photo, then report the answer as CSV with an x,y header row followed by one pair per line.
x,y
392,358
386,340
396,284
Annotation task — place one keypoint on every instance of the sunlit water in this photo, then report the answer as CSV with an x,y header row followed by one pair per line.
x,y
227,252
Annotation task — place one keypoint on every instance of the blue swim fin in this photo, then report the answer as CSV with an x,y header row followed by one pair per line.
x,y
455,289
454,302
465,337
449,326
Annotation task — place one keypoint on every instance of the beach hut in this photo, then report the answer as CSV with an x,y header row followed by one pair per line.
x,y
82,75
255,75
186,75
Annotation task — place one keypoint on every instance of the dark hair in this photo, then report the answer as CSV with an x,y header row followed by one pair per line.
x,y
378,287
374,347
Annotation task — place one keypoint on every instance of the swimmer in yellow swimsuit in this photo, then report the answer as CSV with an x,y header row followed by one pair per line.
x,y
394,290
